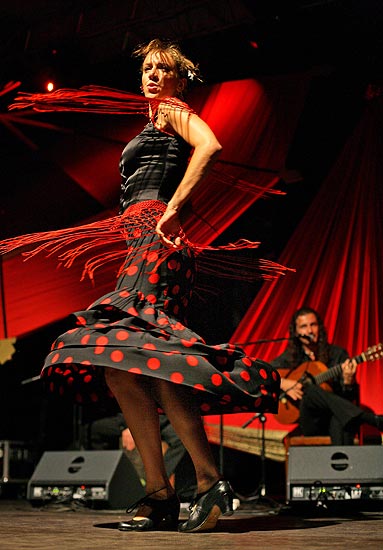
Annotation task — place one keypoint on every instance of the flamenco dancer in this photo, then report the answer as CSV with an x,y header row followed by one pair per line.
x,y
136,336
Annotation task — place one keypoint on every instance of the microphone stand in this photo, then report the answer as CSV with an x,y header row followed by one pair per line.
x,y
259,495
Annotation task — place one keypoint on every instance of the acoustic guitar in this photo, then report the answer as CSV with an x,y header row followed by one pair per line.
x,y
315,372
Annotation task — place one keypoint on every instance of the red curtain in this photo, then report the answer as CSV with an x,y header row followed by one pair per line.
x,y
338,256
255,122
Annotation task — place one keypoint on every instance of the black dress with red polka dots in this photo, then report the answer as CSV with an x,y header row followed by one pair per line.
x,y
141,327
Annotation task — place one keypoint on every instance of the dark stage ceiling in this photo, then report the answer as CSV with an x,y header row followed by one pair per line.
x,y
88,40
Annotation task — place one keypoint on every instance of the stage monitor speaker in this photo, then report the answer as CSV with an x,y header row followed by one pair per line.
x,y
99,479
334,473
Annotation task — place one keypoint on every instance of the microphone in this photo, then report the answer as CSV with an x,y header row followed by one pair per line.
x,y
309,337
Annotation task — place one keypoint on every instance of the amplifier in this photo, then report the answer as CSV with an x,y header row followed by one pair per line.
x,y
321,473
16,462
99,479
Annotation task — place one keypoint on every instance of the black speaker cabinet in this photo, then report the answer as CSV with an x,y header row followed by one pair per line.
x,y
100,479
334,473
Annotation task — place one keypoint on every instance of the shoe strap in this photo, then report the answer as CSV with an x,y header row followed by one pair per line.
x,y
143,500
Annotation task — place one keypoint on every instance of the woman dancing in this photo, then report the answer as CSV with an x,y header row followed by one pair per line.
x,y
137,334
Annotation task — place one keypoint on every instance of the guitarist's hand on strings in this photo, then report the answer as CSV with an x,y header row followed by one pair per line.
x,y
349,370
292,388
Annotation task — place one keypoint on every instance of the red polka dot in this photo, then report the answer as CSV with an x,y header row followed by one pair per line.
x,y
99,325
132,270
175,289
162,321
205,407
188,343
86,362
153,363
247,361
99,350
80,320
257,402
102,341
176,310
140,295
192,360
188,274
135,370
177,377
88,378
152,257
274,375
151,298
199,387
263,373
117,356
216,379
149,311
60,345
245,375
85,339
124,294
68,360
226,399
154,278
132,311
149,346
264,391
172,264
55,358
106,301
122,335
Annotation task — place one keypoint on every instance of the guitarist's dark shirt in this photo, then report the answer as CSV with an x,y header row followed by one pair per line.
x,y
336,356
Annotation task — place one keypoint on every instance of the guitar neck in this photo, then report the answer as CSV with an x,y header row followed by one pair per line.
x,y
332,372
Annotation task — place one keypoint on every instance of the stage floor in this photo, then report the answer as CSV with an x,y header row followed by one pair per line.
x,y
252,526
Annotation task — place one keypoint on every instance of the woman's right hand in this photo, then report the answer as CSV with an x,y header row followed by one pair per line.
x,y
169,229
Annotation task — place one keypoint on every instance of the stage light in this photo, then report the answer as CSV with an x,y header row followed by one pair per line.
x,y
50,86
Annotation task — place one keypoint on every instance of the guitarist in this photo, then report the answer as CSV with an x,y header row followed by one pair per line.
x,y
321,412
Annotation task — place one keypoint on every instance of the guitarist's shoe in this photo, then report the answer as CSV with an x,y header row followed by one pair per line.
x,y
372,419
379,422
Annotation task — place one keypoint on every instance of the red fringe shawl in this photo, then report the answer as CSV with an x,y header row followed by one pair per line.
x,y
72,243
106,241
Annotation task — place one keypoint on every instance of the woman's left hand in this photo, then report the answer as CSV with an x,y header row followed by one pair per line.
x,y
169,229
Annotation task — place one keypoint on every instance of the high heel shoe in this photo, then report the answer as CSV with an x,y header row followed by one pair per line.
x,y
153,513
207,507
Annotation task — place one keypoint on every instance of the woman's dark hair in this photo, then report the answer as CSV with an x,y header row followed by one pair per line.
x,y
294,346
